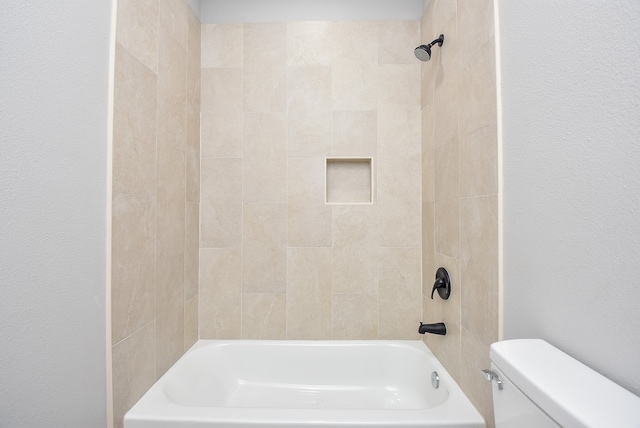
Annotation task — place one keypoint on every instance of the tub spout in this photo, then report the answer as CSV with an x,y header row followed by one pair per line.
x,y
437,328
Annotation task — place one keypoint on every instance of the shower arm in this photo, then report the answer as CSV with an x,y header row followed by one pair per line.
x,y
437,41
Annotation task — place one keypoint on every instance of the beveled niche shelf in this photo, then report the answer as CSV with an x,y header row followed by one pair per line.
x,y
348,181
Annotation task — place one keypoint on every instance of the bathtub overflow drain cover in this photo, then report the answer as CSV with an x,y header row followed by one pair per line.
x,y
435,380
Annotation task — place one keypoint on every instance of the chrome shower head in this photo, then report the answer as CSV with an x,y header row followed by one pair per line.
x,y
423,52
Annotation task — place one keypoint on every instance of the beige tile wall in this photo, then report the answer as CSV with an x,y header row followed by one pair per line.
x,y
277,262
156,193
269,102
460,189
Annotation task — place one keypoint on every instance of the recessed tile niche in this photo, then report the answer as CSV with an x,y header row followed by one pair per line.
x,y
349,181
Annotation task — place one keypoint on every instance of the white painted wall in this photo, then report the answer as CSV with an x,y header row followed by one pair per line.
x,y
571,114
240,11
54,60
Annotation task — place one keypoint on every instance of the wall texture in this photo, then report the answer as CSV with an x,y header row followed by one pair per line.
x,y
54,64
460,189
571,131
275,261
154,288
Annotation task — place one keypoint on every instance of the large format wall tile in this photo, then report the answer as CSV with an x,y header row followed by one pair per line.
x,y
397,40
479,263
137,30
354,84
133,276
479,163
309,219
354,133
476,17
428,248
263,316
170,199
398,107
134,127
397,85
264,243
221,133
191,251
221,203
194,48
445,73
174,16
264,64
478,89
264,161
169,309
428,161
172,90
309,293
222,46
400,292
399,130
220,293
309,43
221,117
475,355
399,201
446,102
354,68
192,149
170,256
348,38
443,10
134,370
355,255
190,322
309,111
447,195
192,154
355,316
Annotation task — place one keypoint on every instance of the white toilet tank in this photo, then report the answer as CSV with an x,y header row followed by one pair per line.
x,y
544,387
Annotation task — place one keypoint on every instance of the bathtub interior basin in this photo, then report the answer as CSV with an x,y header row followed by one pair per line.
x,y
304,383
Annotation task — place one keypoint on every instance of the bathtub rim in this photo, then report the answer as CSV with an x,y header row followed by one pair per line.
x,y
146,412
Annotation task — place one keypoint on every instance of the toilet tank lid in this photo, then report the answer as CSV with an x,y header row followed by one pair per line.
x,y
567,390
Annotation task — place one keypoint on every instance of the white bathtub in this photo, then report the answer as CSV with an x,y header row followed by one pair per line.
x,y
296,384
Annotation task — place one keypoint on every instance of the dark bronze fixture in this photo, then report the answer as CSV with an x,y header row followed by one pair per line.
x,y
437,328
423,52
442,284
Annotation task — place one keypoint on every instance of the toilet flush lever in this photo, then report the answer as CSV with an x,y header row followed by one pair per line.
x,y
490,375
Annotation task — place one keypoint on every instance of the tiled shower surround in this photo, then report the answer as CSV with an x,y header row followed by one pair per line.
x,y
221,138
460,189
276,262
154,287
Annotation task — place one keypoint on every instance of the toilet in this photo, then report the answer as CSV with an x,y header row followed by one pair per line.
x,y
535,385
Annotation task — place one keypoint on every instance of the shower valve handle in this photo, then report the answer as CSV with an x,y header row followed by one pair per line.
x,y
442,284
437,285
